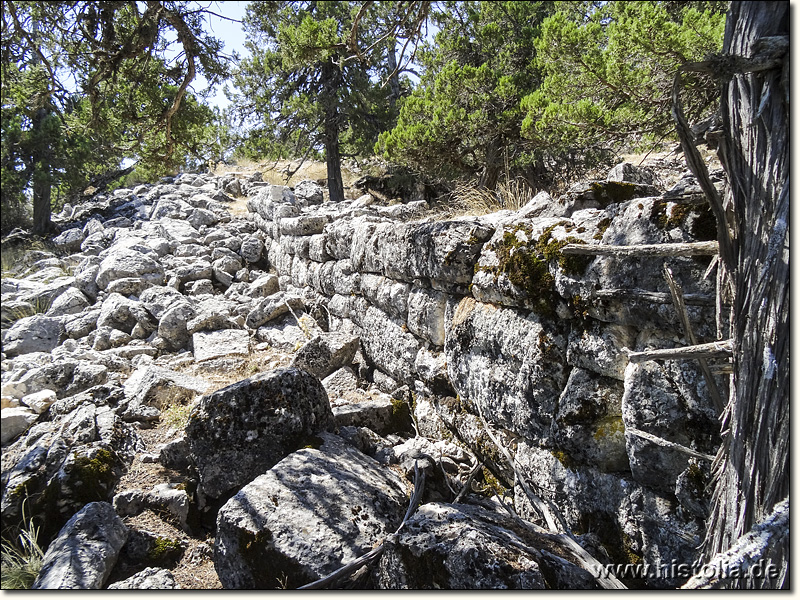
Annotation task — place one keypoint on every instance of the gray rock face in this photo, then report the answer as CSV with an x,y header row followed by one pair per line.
x,y
631,521
151,578
310,514
386,344
225,342
129,263
459,546
511,363
37,333
83,554
588,428
426,314
63,464
326,353
271,308
670,402
238,432
15,421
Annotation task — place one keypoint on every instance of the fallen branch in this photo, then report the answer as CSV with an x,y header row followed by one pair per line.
x,y
654,297
667,444
538,504
721,349
350,568
588,562
677,299
644,250
746,552
465,488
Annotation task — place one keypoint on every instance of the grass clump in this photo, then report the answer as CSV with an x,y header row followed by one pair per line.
x,y
176,415
22,560
472,199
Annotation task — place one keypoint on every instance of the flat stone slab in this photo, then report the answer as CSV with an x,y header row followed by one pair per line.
x,y
223,342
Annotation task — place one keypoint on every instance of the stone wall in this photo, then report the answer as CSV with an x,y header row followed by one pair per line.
x,y
484,315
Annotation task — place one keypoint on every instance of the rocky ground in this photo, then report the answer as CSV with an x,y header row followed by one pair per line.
x,y
186,408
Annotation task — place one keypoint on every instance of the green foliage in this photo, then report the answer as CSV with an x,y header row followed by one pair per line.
x,y
315,79
93,86
609,71
22,559
464,118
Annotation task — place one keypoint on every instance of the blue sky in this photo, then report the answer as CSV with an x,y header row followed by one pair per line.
x,y
231,34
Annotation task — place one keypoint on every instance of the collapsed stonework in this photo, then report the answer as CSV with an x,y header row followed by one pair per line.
x,y
412,340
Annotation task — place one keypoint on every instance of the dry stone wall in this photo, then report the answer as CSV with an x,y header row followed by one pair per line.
x,y
484,315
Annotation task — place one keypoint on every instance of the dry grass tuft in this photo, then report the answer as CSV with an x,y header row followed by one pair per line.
x,y
471,199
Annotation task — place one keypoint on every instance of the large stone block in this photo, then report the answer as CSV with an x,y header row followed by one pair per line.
x,y
310,514
510,363
238,432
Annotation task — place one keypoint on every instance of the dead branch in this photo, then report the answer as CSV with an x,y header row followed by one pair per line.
x,y
654,297
720,349
698,167
350,568
680,307
644,250
667,444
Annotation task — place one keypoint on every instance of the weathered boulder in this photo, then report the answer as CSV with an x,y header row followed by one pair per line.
x,y
85,551
15,421
61,464
71,302
326,353
164,498
39,401
460,546
117,312
152,386
310,514
151,578
264,286
308,193
172,326
271,308
38,333
251,249
70,240
626,171
238,432
373,409
129,263
224,342
157,300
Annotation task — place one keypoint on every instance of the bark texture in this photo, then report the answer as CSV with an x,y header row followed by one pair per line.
x,y
752,468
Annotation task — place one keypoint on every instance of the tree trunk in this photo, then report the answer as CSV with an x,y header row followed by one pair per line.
x,y
752,469
331,80
42,183
394,77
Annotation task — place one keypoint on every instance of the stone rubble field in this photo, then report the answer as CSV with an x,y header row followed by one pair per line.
x,y
183,387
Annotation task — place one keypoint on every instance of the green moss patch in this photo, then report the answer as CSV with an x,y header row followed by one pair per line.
x,y
612,192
